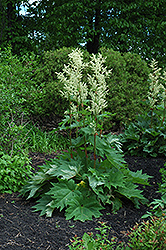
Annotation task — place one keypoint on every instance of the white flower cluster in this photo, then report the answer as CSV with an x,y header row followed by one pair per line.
x,y
98,85
163,94
74,89
155,87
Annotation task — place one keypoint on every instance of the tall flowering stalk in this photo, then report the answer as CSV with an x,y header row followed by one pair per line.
x,y
78,92
163,94
155,87
74,90
98,92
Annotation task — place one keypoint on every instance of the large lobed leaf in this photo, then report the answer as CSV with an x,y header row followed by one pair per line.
x,y
63,192
83,208
64,168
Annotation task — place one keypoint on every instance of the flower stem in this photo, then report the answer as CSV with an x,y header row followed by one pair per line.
x,y
95,144
70,129
151,119
95,150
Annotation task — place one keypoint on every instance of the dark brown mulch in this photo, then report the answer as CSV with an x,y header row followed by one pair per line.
x,y
20,228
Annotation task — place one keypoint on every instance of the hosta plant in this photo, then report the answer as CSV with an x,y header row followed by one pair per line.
x,y
147,135
93,172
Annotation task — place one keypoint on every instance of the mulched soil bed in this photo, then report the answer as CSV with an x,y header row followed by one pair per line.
x,y
20,228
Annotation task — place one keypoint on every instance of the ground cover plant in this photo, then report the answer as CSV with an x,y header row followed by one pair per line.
x,y
147,235
93,172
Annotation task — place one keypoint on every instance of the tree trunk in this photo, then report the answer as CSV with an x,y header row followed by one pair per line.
x,y
2,22
11,19
94,37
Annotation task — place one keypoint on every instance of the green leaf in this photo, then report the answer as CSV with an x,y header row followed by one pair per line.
x,y
83,208
116,204
152,132
63,192
65,169
114,156
34,184
89,242
115,179
94,181
42,205
77,142
87,131
130,191
138,177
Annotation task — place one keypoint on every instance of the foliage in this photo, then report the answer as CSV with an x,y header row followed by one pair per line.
x,y
17,92
49,99
140,139
147,136
96,242
14,172
55,24
17,80
93,173
45,142
49,25
158,206
14,27
17,96
127,85
149,235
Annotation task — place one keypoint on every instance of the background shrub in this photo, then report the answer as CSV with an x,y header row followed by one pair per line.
x,y
127,85
33,86
17,97
50,102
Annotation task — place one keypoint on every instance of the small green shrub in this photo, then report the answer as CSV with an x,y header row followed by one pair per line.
x,y
99,241
14,172
149,235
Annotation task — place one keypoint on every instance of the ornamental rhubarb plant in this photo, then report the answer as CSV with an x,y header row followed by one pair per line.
x,y
93,172
147,135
